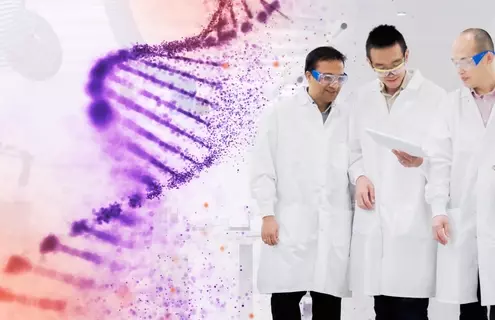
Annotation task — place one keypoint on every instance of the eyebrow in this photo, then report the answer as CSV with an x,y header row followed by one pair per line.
x,y
461,58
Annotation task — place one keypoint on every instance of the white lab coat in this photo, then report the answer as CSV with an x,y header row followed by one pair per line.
x,y
299,174
462,184
392,249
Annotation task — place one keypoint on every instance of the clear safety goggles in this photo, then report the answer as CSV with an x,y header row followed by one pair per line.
x,y
328,78
470,62
383,73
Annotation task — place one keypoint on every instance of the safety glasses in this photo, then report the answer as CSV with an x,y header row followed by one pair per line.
x,y
383,73
470,62
328,78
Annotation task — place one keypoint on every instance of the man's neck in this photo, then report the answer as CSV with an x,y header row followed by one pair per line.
x,y
487,87
391,91
322,106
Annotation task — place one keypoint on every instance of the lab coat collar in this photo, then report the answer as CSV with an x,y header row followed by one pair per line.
x,y
414,83
467,96
466,93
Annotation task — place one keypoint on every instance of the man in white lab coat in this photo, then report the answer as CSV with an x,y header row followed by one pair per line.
x,y
300,183
461,186
393,256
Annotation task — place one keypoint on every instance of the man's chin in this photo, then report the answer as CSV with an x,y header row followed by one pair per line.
x,y
392,84
467,84
331,95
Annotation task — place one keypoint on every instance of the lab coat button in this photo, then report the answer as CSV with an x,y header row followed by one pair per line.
x,y
493,167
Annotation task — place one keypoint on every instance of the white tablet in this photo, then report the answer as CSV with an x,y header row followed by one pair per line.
x,y
394,143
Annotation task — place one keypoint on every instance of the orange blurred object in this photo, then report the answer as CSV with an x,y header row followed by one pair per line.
x,y
167,20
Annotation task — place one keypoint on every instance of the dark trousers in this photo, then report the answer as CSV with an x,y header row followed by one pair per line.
x,y
395,308
285,306
475,311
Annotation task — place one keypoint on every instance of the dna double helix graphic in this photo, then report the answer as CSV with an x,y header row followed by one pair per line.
x,y
162,114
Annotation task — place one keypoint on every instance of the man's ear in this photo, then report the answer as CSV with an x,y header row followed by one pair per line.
x,y
406,55
369,62
308,75
490,57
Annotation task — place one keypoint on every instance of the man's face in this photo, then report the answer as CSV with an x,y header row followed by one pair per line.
x,y
326,89
463,50
389,64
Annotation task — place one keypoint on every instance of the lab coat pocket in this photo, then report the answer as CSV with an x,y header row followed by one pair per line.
x,y
462,226
365,221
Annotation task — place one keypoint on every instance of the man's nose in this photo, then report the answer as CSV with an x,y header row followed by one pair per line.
x,y
334,84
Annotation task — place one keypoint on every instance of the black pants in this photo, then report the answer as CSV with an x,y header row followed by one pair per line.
x,y
475,311
395,308
285,306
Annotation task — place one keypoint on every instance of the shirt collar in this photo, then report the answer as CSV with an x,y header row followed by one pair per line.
x,y
327,110
481,96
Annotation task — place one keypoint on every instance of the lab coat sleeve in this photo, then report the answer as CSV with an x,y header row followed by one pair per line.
x,y
438,148
424,167
263,176
440,96
356,165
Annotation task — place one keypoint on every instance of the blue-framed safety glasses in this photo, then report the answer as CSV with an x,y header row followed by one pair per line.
x,y
328,78
470,62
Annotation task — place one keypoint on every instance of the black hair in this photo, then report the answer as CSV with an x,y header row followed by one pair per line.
x,y
482,39
323,54
384,36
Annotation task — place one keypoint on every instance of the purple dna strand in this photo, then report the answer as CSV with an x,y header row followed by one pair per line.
x,y
151,123
133,112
